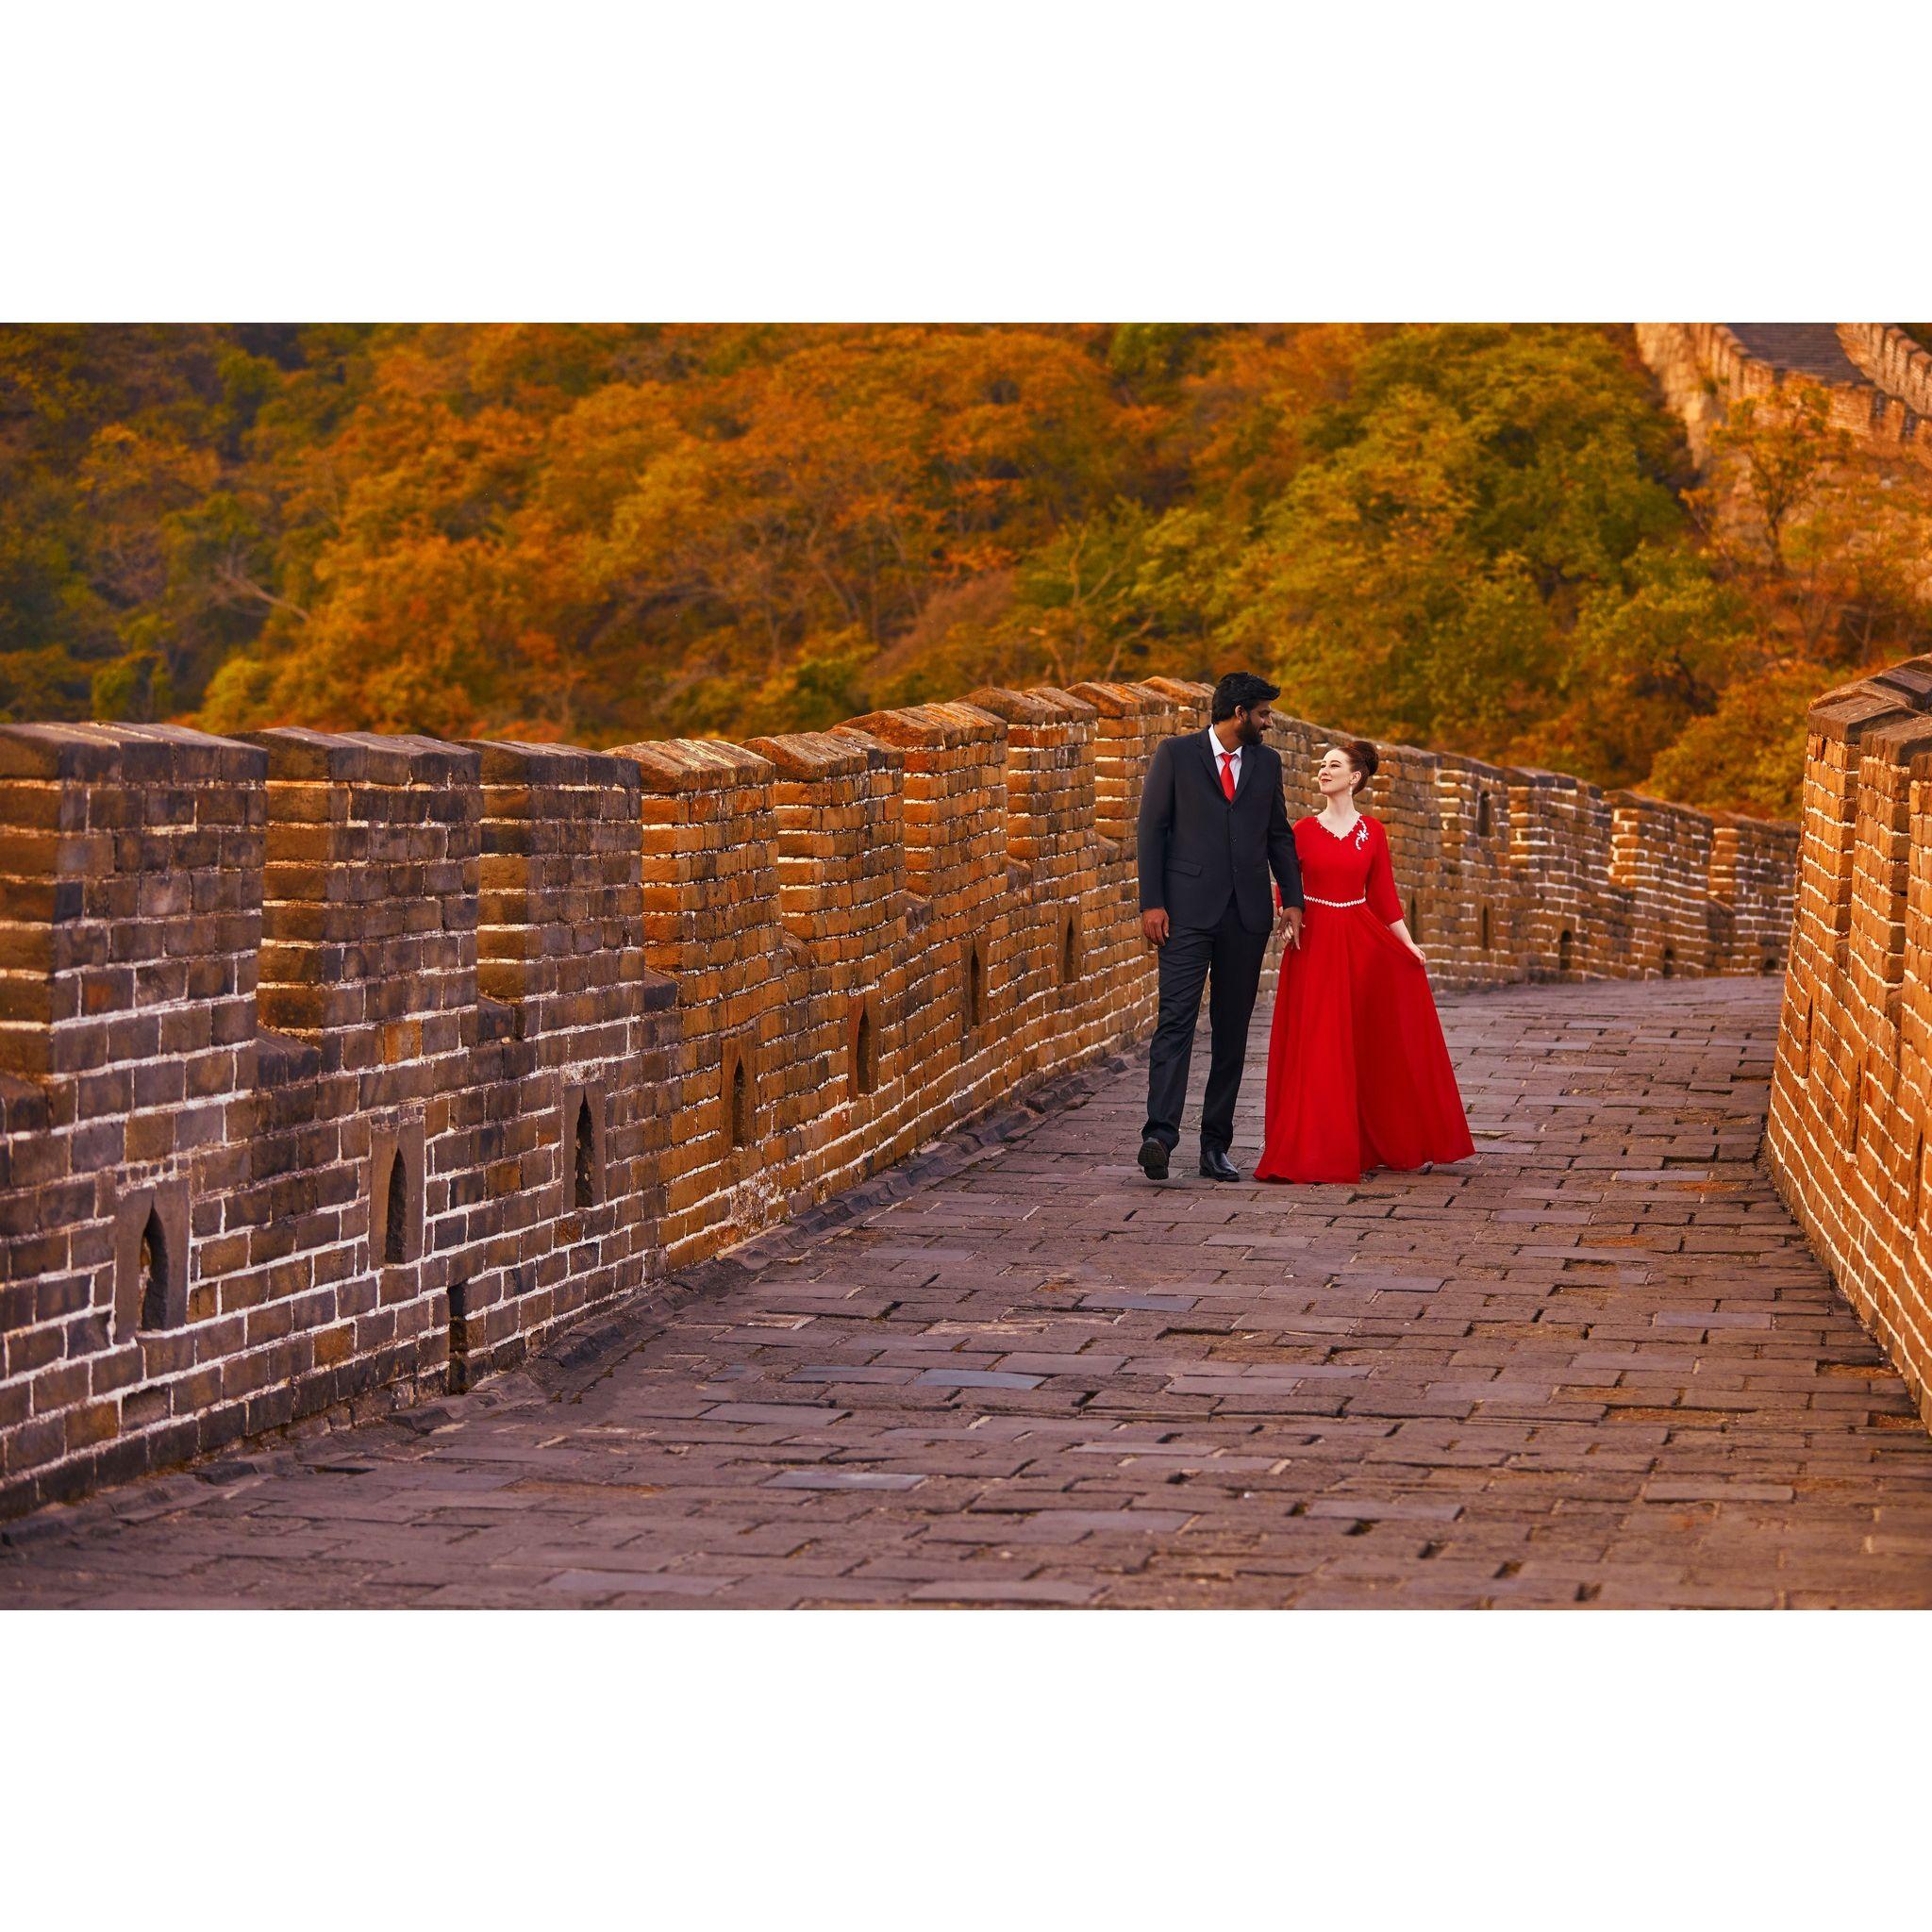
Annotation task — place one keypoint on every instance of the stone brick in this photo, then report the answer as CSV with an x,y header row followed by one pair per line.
x,y
1852,1086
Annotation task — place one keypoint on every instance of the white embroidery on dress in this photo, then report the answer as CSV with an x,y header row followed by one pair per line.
x,y
1361,833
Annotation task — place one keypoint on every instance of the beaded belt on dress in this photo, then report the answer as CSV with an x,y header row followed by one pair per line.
x,y
1311,900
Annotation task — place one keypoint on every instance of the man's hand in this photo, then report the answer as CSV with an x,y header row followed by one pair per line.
x,y
1153,926
1291,917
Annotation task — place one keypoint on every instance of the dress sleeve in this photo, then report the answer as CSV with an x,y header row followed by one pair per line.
x,y
1383,901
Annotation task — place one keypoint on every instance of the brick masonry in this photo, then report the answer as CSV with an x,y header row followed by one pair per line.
x,y
337,1071
1877,381
1853,1087
1893,361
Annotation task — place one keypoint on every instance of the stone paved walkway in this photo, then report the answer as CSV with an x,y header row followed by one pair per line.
x,y
1595,1366
1801,348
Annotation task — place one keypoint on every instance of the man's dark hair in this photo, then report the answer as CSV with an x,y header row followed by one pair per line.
x,y
1240,691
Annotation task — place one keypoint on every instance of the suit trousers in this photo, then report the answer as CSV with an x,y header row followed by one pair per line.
x,y
1229,957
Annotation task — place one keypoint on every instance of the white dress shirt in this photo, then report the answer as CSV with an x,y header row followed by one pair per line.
x,y
1215,745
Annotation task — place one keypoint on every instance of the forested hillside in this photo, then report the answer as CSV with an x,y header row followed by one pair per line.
x,y
1483,538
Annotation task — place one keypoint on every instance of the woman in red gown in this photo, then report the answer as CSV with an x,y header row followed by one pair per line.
x,y
1358,1077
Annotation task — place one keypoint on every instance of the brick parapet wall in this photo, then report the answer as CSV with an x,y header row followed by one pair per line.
x,y
570,1131
1851,1086
367,979
1897,364
1467,907
1058,1010
1701,368
837,808
335,1069
707,836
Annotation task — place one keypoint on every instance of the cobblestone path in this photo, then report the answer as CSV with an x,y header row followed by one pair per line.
x,y
1596,1365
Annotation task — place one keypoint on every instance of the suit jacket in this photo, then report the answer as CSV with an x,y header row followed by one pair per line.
x,y
1198,848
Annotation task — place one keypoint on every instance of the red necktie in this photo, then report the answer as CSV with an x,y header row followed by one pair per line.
x,y
1227,774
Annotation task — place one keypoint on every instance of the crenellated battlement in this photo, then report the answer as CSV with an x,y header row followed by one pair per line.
x,y
1852,1085
1879,393
336,1069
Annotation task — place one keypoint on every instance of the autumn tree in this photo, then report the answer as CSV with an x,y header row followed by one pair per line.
x,y
1820,550
1487,538
1423,573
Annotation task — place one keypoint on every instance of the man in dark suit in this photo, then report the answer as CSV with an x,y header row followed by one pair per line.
x,y
1213,826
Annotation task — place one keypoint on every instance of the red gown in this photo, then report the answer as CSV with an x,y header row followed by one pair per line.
x,y
1359,1075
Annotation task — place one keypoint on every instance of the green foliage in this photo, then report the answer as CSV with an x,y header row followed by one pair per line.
x,y
139,511
1748,752
816,691
1423,573
1649,655
134,687
1153,355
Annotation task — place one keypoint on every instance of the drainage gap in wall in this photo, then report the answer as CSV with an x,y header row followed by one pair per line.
x,y
863,1052
738,1111
458,1336
583,1181
153,1274
394,1180
396,1212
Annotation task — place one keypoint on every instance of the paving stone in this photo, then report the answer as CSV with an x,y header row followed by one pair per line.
x,y
977,1378
993,1590
842,1479
627,1583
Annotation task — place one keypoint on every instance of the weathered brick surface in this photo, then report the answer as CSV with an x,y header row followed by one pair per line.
x,y
839,1059
1853,1086
571,1130
1594,1365
339,1070
1877,381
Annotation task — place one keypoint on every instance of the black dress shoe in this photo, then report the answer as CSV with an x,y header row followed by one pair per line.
x,y
1217,1166
1154,1159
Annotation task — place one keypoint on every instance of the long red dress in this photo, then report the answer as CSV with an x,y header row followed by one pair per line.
x,y
1359,1075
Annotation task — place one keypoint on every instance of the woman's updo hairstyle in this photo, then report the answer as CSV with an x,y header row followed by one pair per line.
x,y
1364,758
